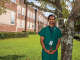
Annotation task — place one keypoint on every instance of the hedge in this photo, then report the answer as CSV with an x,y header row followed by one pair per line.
x,y
4,35
77,37
30,32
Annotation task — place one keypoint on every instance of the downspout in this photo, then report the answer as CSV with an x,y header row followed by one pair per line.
x,y
26,18
35,19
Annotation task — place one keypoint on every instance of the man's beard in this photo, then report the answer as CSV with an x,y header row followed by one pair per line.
x,y
51,23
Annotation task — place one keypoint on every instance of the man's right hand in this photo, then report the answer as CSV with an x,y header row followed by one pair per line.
x,y
48,51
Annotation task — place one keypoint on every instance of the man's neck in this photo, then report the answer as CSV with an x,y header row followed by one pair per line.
x,y
51,25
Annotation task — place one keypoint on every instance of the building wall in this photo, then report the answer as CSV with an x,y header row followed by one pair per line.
x,y
30,18
8,20
21,14
21,8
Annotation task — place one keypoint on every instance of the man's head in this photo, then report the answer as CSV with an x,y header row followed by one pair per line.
x,y
51,19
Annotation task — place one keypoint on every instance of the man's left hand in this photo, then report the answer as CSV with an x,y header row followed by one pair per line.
x,y
53,51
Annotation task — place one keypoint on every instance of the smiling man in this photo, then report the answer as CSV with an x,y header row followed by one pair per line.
x,y
50,37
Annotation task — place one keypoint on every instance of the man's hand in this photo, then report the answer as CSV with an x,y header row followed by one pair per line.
x,y
48,51
53,51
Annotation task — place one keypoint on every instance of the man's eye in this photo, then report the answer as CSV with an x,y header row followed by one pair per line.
x,y
51,19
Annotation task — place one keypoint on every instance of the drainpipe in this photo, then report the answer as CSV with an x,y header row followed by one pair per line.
x,y
35,19
26,15
26,18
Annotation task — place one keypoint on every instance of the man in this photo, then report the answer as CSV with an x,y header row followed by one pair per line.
x,y
50,37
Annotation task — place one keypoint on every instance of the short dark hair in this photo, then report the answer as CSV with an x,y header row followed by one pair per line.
x,y
50,16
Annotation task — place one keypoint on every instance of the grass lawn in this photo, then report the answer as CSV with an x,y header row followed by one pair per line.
x,y
29,49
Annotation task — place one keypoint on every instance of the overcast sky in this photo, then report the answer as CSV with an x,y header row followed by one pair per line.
x,y
48,13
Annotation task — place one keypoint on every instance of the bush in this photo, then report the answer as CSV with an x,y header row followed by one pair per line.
x,y
30,32
77,37
4,35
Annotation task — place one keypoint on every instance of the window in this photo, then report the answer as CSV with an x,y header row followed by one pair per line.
x,y
28,13
23,11
33,26
37,26
19,9
18,23
45,22
33,16
13,0
28,25
12,17
39,18
42,19
23,24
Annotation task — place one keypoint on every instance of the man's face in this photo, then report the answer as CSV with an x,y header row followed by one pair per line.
x,y
51,20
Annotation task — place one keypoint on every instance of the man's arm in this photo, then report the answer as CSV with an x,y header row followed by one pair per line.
x,y
59,40
42,43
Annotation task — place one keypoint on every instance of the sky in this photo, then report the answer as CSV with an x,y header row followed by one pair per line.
x,y
48,13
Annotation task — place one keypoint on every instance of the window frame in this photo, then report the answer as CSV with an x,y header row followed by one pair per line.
x,y
29,25
11,18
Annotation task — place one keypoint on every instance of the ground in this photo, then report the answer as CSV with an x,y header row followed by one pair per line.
x,y
29,49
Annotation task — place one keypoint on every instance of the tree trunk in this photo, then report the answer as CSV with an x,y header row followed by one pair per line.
x,y
67,41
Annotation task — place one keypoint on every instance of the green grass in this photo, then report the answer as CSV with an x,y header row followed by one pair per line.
x,y
29,48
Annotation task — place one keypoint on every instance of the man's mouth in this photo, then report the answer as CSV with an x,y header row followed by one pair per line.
x,y
51,22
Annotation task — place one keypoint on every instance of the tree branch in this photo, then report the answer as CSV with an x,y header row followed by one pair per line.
x,y
44,9
51,2
76,9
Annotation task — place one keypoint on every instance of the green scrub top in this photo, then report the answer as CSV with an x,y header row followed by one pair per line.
x,y
46,33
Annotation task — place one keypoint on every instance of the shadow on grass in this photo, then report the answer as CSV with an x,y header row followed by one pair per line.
x,y
11,57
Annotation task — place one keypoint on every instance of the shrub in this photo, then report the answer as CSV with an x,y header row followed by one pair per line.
x,y
77,37
30,32
4,35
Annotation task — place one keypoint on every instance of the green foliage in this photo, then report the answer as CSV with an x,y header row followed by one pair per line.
x,y
65,22
78,21
30,32
65,13
2,7
77,27
4,35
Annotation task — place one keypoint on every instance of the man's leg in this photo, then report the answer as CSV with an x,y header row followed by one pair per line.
x,y
54,56
45,56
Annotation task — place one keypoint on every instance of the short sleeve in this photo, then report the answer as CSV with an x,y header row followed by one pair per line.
x,y
59,34
42,31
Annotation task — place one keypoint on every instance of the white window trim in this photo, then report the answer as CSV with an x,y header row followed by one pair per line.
x,y
21,24
23,13
29,25
33,16
28,13
14,17
33,26
18,8
39,18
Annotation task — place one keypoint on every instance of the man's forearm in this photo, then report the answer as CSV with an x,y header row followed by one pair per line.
x,y
42,43
58,44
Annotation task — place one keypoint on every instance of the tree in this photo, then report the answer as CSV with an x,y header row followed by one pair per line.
x,y
2,7
68,33
77,25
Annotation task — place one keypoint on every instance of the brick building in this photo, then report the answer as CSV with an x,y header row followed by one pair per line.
x,y
20,17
